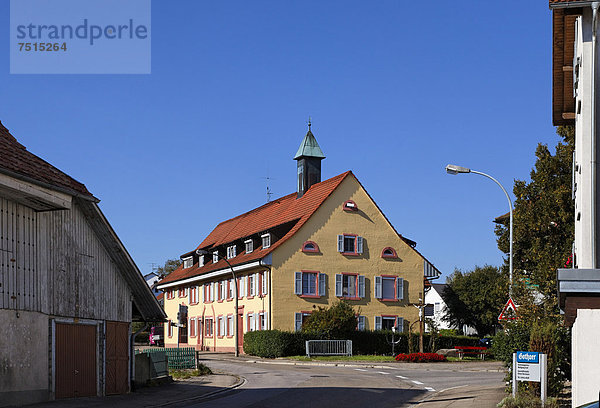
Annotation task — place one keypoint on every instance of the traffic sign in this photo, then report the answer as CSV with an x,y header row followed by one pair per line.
x,y
509,312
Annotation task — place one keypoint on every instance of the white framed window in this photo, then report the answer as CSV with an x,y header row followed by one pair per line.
x,y
188,262
249,245
362,323
389,288
208,327
350,244
221,327
222,290
231,251
253,284
386,322
230,289
436,307
215,256
252,318
193,295
262,325
264,283
309,283
230,325
266,240
349,286
201,261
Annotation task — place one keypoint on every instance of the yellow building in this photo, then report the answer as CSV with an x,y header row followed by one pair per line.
x,y
327,241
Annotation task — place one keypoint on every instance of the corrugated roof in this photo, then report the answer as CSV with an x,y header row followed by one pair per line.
x,y
17,161
278,212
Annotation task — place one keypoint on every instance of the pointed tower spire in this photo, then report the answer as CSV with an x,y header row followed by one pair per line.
x,y
308,156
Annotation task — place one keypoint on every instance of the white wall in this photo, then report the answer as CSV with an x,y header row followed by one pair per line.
x,y
585,346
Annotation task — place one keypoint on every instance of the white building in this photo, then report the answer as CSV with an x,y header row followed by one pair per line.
x,y
575,102
437,309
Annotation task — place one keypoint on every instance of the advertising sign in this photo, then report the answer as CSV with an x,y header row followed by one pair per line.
x,y
528,366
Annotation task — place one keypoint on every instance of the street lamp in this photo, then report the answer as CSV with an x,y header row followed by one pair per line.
x,y
454,169
235,296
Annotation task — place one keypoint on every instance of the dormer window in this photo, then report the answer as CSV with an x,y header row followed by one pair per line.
x,y
201,260
188,262
310,246
231,251
215,256
389,252
350,206
249,245
266,240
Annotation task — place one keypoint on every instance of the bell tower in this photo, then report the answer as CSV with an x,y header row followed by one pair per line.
x,y
308,156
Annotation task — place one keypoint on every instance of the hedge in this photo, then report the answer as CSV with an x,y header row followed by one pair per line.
x,y
276,343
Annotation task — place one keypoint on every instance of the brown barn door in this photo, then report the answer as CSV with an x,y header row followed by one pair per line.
x,y
117,358
75,355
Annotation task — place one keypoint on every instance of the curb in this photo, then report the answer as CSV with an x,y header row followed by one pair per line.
x,y
240,381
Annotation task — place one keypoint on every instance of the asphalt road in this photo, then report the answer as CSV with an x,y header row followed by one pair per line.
x,y
281,385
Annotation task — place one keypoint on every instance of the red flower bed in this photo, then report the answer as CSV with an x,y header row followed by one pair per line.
x,y
421,357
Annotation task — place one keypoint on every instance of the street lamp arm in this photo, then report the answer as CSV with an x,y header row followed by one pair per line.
x,y
501,186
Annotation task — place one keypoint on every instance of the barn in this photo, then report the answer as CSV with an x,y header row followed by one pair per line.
x,y
69,290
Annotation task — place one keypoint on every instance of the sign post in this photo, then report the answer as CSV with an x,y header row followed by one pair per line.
x,y
530,366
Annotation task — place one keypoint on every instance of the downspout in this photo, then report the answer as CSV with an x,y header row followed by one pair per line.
x,y
132,353
595,6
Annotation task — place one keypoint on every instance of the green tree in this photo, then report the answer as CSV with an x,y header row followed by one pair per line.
x,y
475,298
169,266
543,227
337,321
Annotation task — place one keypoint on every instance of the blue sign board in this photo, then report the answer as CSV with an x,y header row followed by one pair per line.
x,y
531,357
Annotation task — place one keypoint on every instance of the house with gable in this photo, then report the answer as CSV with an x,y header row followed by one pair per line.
x,y
69,290
327,241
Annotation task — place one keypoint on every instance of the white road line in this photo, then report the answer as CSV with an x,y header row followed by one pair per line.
x,y
404,378
417,382
429,389
360,369
382,372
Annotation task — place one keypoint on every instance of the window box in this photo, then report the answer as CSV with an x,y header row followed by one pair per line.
x,y
349,286
350,244
309,284
310,247
389,288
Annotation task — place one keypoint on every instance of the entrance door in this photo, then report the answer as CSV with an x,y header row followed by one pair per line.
x,y
75,356
240,331
117,357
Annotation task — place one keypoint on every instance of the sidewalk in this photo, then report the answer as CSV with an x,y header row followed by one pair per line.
x,y
464,397
173,394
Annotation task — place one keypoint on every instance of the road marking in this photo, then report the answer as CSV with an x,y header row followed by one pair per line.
x,y
360,369
382,372
371,390
429,389
417,382
404,378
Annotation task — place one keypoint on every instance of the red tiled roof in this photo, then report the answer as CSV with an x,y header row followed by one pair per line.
x,y
15,159
283,210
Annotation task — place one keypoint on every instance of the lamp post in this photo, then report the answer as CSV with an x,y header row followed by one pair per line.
x,y
454,169
235,296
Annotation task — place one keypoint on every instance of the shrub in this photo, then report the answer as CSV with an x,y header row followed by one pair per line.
x,y
276,343
421,357
335,322
526,400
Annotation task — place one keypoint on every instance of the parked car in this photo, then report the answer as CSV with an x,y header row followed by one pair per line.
x,y
157,336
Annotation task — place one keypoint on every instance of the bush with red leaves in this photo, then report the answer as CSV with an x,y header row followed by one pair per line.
x,y
421,357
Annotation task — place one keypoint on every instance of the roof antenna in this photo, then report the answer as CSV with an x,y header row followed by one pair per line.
x,y
269,192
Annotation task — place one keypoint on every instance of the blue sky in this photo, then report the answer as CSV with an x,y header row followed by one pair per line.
x,y
396,90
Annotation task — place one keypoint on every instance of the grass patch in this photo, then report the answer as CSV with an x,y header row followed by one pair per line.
x,y
185,374
342,358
